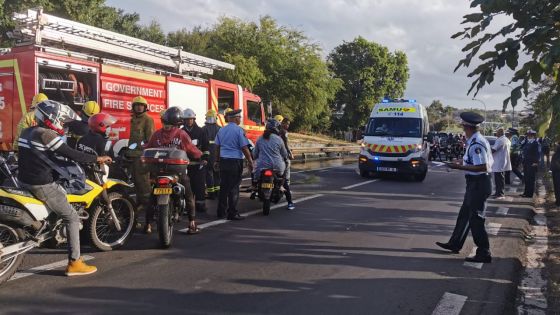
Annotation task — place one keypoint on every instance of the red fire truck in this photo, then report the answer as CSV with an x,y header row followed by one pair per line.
x,y
73,63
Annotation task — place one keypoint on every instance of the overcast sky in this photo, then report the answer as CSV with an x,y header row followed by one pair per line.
x,y
420,28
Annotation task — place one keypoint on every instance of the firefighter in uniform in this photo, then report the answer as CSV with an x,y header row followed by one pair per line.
x,y
28,120
141,130
477,163
197,169
211,129
80,128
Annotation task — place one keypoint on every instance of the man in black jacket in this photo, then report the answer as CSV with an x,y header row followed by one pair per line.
x,y
531,156
37,148
197,169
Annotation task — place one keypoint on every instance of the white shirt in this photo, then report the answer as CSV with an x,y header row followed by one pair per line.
x,y
478,152
502,162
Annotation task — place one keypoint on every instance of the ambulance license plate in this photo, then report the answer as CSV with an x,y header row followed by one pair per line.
x,y
267,185
387,169
163,191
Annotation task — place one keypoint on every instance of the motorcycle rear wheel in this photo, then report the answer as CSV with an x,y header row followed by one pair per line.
x,y
165,225
9,236
266,206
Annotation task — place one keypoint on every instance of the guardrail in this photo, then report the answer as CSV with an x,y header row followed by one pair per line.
x,y
317,153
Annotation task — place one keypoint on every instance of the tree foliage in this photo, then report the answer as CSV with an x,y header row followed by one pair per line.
x,y
533,31
280,64
441,117
369,72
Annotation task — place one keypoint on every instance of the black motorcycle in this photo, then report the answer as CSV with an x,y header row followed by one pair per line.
x,y
168,195
269,189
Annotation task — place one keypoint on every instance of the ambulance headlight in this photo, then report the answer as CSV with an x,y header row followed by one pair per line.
x,y
417,148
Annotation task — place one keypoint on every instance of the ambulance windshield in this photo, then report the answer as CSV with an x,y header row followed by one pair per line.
x,y
394,127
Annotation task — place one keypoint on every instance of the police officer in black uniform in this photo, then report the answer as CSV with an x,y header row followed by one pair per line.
x,y
477,163
531,157
197,169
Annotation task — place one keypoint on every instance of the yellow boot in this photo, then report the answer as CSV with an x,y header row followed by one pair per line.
x,y
79,268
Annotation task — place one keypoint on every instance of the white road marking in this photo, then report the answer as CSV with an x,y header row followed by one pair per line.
x,y
493,228
250,213
473,264
360,184
40,269
438,163
450,304
512,190
502,211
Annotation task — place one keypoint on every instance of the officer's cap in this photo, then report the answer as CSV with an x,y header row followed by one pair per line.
x,y
512,131
471,119
234,113
531,132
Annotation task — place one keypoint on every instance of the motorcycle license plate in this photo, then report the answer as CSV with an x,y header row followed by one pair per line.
x,y
267,185
163,191
387,169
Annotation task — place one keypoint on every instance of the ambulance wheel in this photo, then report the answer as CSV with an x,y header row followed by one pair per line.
x,y
364,174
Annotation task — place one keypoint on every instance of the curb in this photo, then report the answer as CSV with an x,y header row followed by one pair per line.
x,y
532,288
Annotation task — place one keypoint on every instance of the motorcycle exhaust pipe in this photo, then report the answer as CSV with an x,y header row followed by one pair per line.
x,y
179,189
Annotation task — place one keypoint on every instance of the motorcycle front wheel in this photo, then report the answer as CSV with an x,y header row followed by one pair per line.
x,y
9,236
165,225
103,233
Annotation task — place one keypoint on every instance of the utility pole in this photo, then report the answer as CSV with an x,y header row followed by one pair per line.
x,y
513,107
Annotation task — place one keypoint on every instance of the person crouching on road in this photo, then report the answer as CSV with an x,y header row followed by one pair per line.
x,y
211,129
502,163
197,168
38,146
477,163
141,129
231,146
171,136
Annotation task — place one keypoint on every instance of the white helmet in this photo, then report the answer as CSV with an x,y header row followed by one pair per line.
x,y
54,115
189,113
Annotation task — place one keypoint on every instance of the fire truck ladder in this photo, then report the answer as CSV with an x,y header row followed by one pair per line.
x,y
34,27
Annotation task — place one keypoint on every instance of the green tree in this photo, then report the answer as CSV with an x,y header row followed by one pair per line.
x,y
441,117
369,73
533,31
280,64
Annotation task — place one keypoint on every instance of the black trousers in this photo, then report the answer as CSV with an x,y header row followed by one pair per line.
x,y
514,168
197,176
212,177
556,182
530,178
472,215
500,182
230,174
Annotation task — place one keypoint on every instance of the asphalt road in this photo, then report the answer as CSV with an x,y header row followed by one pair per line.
x,y
352,246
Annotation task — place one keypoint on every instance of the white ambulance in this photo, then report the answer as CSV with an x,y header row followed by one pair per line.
x,y
395,140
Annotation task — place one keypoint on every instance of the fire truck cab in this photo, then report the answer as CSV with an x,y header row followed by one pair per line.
x,y
73,63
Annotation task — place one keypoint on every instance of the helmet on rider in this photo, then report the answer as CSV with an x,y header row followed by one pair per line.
x,y
38,99
279,118
173,116
139,105
53,115
99,123
273,125
189,114
91,108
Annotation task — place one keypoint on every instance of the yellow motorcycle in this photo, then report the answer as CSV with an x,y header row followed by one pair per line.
x,y
104,209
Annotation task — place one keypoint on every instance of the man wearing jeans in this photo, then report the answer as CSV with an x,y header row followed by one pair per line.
x,y
231,146
502,163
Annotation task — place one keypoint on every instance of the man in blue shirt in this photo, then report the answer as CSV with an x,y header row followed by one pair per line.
x,y
477,163
231,145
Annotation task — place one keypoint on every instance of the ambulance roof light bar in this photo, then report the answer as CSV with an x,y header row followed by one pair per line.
x,y
387,100
35,27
